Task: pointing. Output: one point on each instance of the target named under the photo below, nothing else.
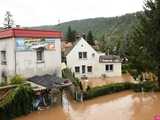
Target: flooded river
(119, 106)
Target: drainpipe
(15, 59)
(15, 71)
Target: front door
(83, 69)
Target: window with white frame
(89, 69)
(109, 67)
(77, 69)
(82, 55)
(3, 57)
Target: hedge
(17, 103)
(117, 87)
(146, 86)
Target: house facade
(29, 52)
(84, 61)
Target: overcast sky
(48, 12)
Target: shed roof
(29, 33)
(48, 81)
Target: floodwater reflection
(119, 106)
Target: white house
(29, 52)
(84, 61)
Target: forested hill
(113, 26)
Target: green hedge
(117, 87)
(146, 86)
(106, 89)
(18, 102)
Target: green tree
(8, 21)
(102, 44)
(71, 35)
(90, 38)
(144, 47)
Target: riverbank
(124, 105)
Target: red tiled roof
(29, 33)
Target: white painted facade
(98, 68)
(25, 62)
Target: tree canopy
(144, 43)
(90, 38)
(71, 35)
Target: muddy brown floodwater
(119, 106)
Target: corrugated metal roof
(30, 33)
(48, 81)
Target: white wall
(27, 62)
(9, 46)
(97, 68)
(116, 69)
(73, 57)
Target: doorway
(83, 69)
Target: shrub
(146, 86)
(106, 89)
(17, 80)
(125, 68)
(3, 84)
(117, 87)
(18, 102)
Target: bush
(117, 87)
(17, 80)
(146, 86)
(107, 89)
(18, 102)
(125, 68)
(3, 84)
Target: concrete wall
(97, 68)
(9, 46)
(26, 64)
(116, 69)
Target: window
(109, 67)
(83, 69)
(82, 55)
(40, 55)
(77, 69)
(89, 69)
(3, 58)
